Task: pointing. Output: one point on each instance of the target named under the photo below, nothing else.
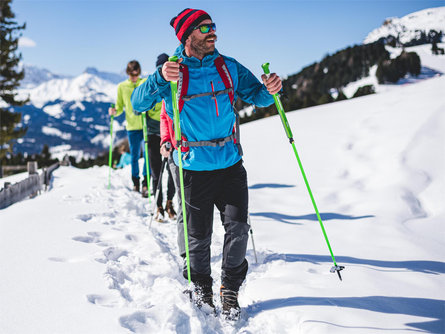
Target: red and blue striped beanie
(186, 21)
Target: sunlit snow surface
(80, 258)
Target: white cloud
(26, 42)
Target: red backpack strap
(183, 85)
(228, 82)
(225, 76)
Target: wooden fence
(29, 187)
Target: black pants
(227, 189)
(155, 159)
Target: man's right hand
(166, 149)
(112, 111)
(170, 70)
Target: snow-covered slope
(409, 27)
(432, 66)
(81, 258)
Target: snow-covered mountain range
(410, 29)
(70, 113)
(84, 87)
(92, 85)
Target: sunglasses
(134, 74)
(205, 28)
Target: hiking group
(212, 172)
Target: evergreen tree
(341, 96)
(434, 48)
(10, 77)
(364, 90)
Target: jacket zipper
(214, 98)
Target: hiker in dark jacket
(212, 159)
(155, 159)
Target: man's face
(134, 75)
(203, 43)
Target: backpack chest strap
(213, 143)
(213, 94)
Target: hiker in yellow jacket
(134, 122)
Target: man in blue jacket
(208, 85)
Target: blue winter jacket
(198, 119)
(124, 160)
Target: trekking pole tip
(337, 269)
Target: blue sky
(68, 36)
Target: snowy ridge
(376, 167)
(409, 27)
(108, 76)
(85, 87)
(35, 76)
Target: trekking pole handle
(280, 108)
(173, 58)
(265, 67)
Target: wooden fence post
(32, 170)
(32, 167)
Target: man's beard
(200, 47)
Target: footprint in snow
(131, 237)
(102, 300)
(87, 240)
(93, 237)
(85, 217)
(112, 254)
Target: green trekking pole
(288, 130)
(111, 148)
(147, 164)
(174, 89)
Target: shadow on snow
(270, 185)
(324, 216)
(426, 267)
(420, 307)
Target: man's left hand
(272, 83)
